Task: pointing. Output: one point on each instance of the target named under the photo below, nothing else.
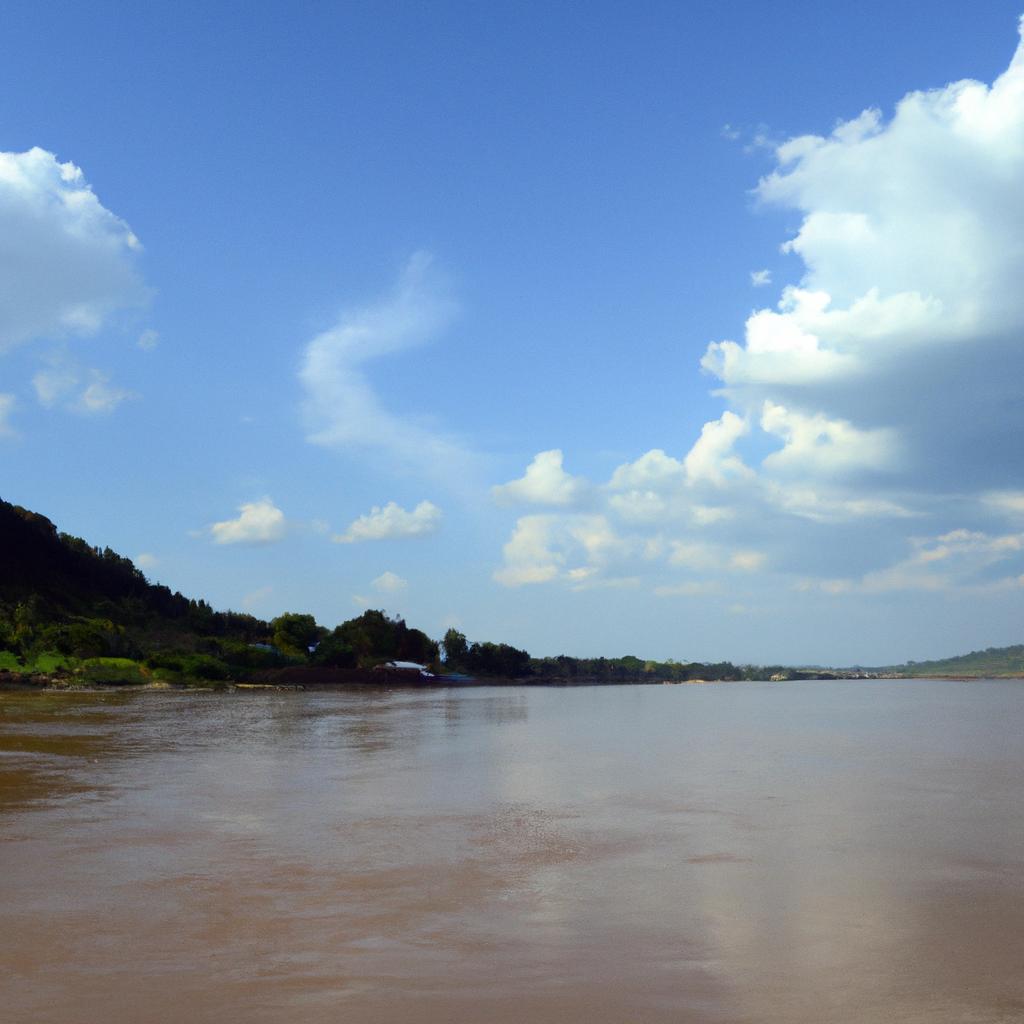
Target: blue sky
(531, 319)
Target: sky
(687, 331)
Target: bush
(165, 660)
(204, 666)
(113, 672)
(9, 662)
(50, 661)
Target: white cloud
(705, 515)
(1008, 503)
(60, 382)
(545, 482)
(822, 504)
(343, 408)
(759, 278)
(148, 340)
(910, 300)
(389, 583)
(67, 263)
(747, 561)
(712, 457)
(881, 391)
(7, 404)
(146, 560)
(820, 447)
(960, 559)
(391, 521)
(258, 522)
(640, 506)
(654, 470)
(691, 555)
(100, 396)
(55, 382)
(569, 547)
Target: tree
(502, 660)
(455, 648)
(294, 634)
(335, 651)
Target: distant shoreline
(345, 679)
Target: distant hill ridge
(65, 577)
(993, 661)
(66, 605)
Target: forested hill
(49, 577)
(87, 614)
(994, 661)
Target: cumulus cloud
(146, 560)
(148, 340)
(545, 482)
(961, 559)
(544, 548)
(391, 521)
(759, 278)
(712, 456)
(389, 583)
(654, 470)
(67, 263)
(881, 392)
(820, 447)
(910, 300)
(343, 408)
(258, 522)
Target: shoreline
(13, 682)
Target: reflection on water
(769, 853)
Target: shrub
(113, 672)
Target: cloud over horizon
(391, 521)
(877, 402)
(258, 522)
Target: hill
(993, 661)
(76, 613)
(65, 604)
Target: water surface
(759, 853)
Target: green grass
(10, 661)
(113, 672)
(49, 661)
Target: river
(751, 853)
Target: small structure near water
(409, 670)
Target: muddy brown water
(759, 853)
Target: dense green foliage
(630, 669)
(66, 605)
(376, 638)
(993, 661)
(70, 609)
(484, 659)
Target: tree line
(65, 603)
